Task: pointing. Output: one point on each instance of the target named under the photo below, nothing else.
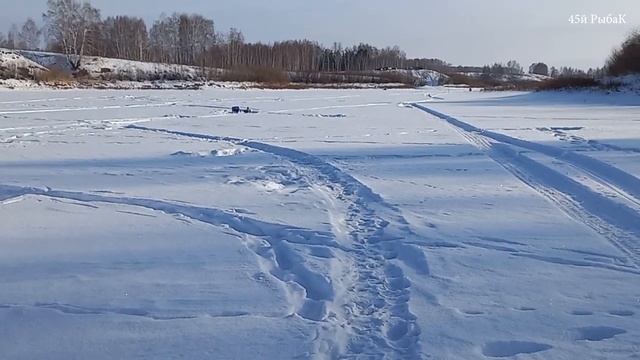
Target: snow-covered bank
(14, 65)
(100, 72)
(14, 84)
(630, 83)
(97, 67)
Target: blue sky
(459, 31)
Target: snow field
(330, 224)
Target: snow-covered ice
(329, 224)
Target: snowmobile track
(616, 222)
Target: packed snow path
(330, 224)
(374, 312)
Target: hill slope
(116, 69)
(15, 66)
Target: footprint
(313, 310)
(581, 312)
(500, 349)
(321, 252)
(596, 333)
(526, 308)
(397, 329)
(472, 312)
(260, 277)
(622, 312)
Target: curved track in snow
(287, 266)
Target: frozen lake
(400, 224)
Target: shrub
(53, 76)
(352, 77)
(400, 78)
(525, 85)
(82, 74)
(569, 82)
(262, 75)
(626, 60)
(480, 82)
(270, 76)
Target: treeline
(512, 67)
(626, 59)
(77, 30)
(27, 37)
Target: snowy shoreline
(13, 84)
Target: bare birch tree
(71, 25)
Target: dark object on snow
(247, 110)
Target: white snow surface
(402, 224)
